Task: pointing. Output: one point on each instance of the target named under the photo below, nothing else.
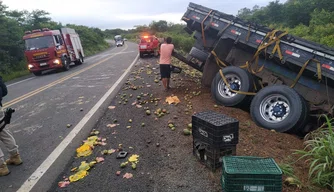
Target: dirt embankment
(166, 161)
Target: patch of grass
(14, 75)
(291, 179)
(319, 153)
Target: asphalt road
(46, 104)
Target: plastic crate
(250, 174)
(211, 157)
(215, 129)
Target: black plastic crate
(250, 174)
(211, 157)
(215, 129)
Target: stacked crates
(250, 174)
(214, 136)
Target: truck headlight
(30, 66)
(56, 61)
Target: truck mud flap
(198, 54)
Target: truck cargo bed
(296, 51)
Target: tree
(159, 26)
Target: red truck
(52, 49)
(148, 45)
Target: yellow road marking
(32, 93)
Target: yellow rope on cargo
(248, 33)
(304, 67)
(218, 61)
(263, 46)
(273, 39)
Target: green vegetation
(309, 19)
(292, 179)
(319, 153)
(13, 24)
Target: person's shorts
(165, 70)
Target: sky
(125, 14)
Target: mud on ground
(166, 162)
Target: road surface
(46, 104)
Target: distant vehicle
(146, 45)
(125, 39)
(119, 41)
(52, 49)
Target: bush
(319, 152)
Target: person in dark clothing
(6, 137)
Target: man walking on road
(166, 51)
(8, 140)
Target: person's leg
(168, 77)
(164, 83)
(8, 140)
(3, 167)
(163, 75)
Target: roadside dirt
(166, 161)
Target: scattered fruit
(186, 132)
(68, 125)
(190, 125)
(148, 112)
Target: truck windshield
(146, 40)
(39, 43)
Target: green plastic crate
(250, 174)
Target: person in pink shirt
(166, 51)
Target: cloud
(125, 14)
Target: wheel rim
(275, 108)
(234, 82)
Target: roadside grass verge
(14, 74)
(319, 154)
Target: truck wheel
(80, 60)
(277, 107)
(141, 55)
(300, 128)
(239, 80)
(198, 54)
(66, 64)
(37, 73)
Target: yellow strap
(228, 86)
(221, 31)
(265, 46)
(202, 26)
(248, 33)
(304, 67)
(218, 61)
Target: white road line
(21, 81)
(42, 169)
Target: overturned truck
(281, 78)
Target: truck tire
(239, 80)
(141, 55)
(277, 107)
(198, 54)
(80, 60)
(66, 64)
(300, 128)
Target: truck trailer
(282, 79)
(52, 49)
